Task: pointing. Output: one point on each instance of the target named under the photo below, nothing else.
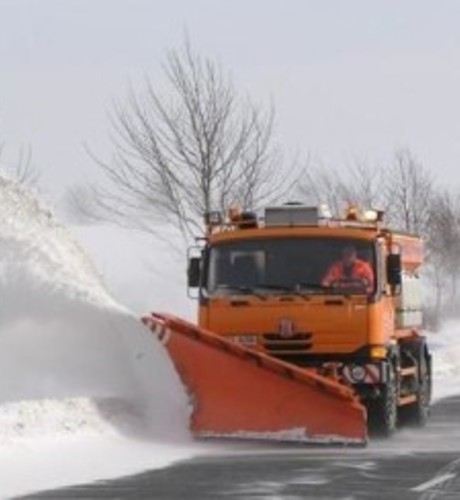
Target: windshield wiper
(288, 290)
(247, 290)
(315, 286)
(325, 288)
(273, 286)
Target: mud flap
(237, 392)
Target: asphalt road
(414, 464)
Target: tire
(383, 410)
(417, 414)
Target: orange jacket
(361, 270)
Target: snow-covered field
(85, 391)
(445, 346)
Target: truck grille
(275, 344)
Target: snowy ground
(85, 391)
(445, 346)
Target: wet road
(414, 464)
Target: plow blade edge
(237, 392)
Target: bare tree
(403, 189)
(199, 148)
(443, 245)
(356, 183)
(22, 170)
(364, 185)
(323, 186)
(408, 189)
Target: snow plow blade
(239, 393)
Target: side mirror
(394, 269)
(194, 272)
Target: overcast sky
(349, 79)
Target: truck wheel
(383, 411)
(418, 413)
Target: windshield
(300, 265)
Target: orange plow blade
(237, 392)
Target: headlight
(378, 352)
(358, 373)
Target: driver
(350, 270)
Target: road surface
(414, 464)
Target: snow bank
(445, 346)
(77, 370)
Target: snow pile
(445, 347)
(75, 366)
(47, 417)
(66, 417)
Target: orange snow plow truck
(309, 327)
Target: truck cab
(269, 284)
